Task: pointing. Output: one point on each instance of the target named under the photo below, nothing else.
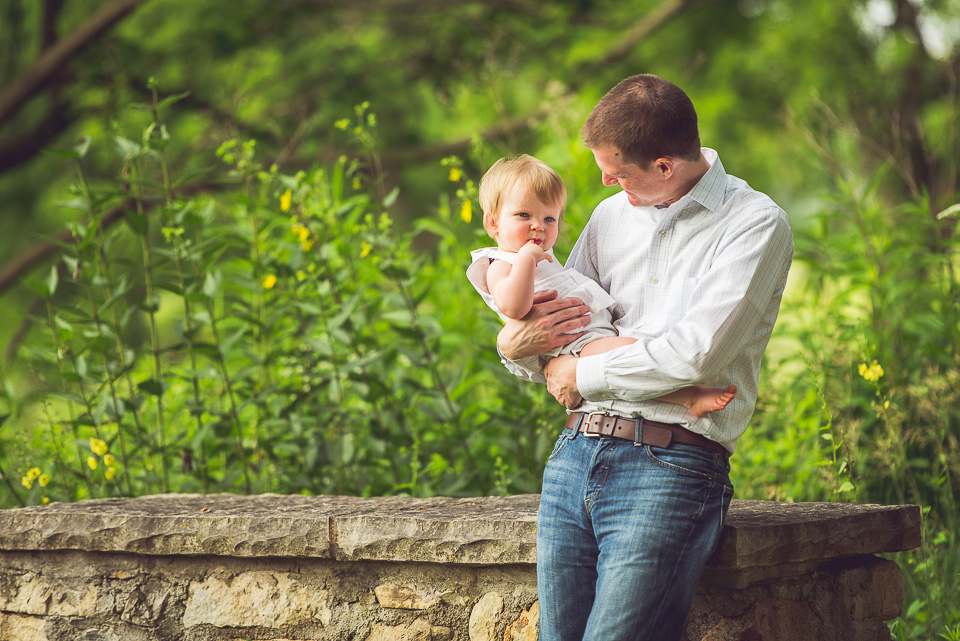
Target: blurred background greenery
(233, 236)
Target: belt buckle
(586, 430)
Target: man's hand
(546, 326)
(561, 373)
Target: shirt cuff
(591, 382)
(529, 364)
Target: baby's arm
(512, 285)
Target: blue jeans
(623, 534)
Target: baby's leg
(700, 399)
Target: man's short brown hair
(644, 117)
(525, 172)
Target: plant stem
(152, 306)
(108, 292)
(188, 316)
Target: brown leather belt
(596, 424)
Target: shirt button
(662, 233)
(654, 280)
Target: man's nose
(608, 180)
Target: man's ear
(664, 167)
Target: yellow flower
(110, 473)
(303, 234)
(92, 462)
(44, 479)
(109, 459)
(45, 500)
(26, 482)
(285, 201)
(365, 249)
(98, 447)
(466, 211)
(455, 174)
(33, 472)
(871, 372)
(269, 281)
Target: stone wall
(225, 567)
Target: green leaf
(191, 174)
(70, 396)
(152, 387)
(952, 211)
(78, 151)
(127, 149)
(170, 100)
(136, 221)
(53, 279)
(211, 284)
(391, 197)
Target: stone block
(222, 524)
(763, 540)
(32, 593)
(526, 627)
(490, 531)
(17, 628)
(402, 597)
(485, 617)
(252, 599)
(418, 630)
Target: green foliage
(284, 337)
(862, 381)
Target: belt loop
(576, 428)
(638, 433)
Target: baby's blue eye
(523, 214)
(550, 219)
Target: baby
(523, 201)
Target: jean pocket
(725, 503)
(558, 446)
(684, 463)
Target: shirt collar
(709, 190)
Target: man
(635, 492)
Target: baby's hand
(535, 251)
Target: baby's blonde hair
(526, 172)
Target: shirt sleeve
(729, 302)
(528, 368)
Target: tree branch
(36, 255)
(24, 86)
(640, 30)
(26, 146)
(650, 23)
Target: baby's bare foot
(710, 399)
